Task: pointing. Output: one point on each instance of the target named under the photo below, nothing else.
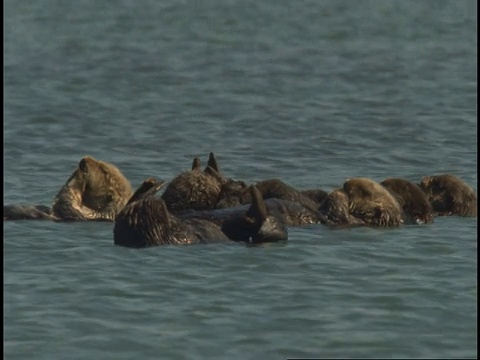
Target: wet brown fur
(414, 202)
(335, 208)
(194, 189)
(315, 195)
(146, 221)
(237, 193)
(96, 190)
(361, 201)
(449, 195)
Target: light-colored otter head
(96, 190)
(372, 203)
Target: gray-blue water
(311, 92)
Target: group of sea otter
(204, 206)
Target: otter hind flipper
(267, 228)
(258, 209)
(148, 187)
(212, 162)
(196, 165)
(27, 212)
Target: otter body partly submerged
(414, 202)
(449, 195)
(361, 201)
(96, 190)
(145, 221)
(291, 213)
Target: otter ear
(212, 162)
(196, 164)
(258, 209)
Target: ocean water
(310, 92)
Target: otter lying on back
(196, 189)
(449, 195)
(209, 189)
(415, 204)
(234, 195)
(146, 221)
(289, 212)
(361, 201)
(96, 190)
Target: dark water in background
(311, 92)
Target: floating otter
(96, 190)
(449, 195)
(196, 189)
(289, 212)
(414, 202)
(361, 201)
(208, 189)
(234, 194)
(146, 221)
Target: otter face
(96, 190)
(105, 185)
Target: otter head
(97, 190)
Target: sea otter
(96, 190)
(414, 202)
(145, 221)
(449, 195)
(361, 201)
(289, 212)
(234, 194)
(196, 189)
(208, 189)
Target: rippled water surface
(311, 92)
